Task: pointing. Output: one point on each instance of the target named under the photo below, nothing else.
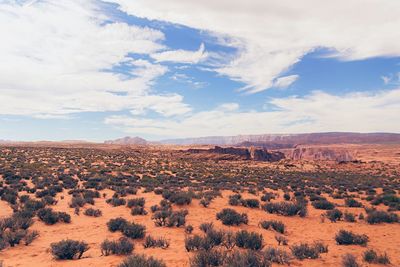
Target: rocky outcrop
(265, 155)
(320, 153)
(257, 154)
(127, 141)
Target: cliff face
(127, 141)
(320, 153)
(252, 153)
(277, 141)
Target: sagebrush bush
(181, 198)
(207, 258)
(352, 203)
(205, 227)
(68, 249)
(320, 247)
(138, 210)
(121, 247)
(116, 224)
(232, 217)
(115, 201)
(169, 218)
(137, 260)
(134, 230)
(249, 240)
(93, 212)
(136, 202)
(234, 200)
(323, 204)
(334, 215)
(49, 217)
(349, 217)
(250, 203)
(160, 242)
(281, 240)
(64, 217)
(306, 251)
(268, 197)
(276, 255)
(344, 237)
(275, 225)
(216, 237)
(375, 217)
(13, 238)
(349, 260)
(371, 256)
(30, 236)
(77, 202)
(246, 258)
(205, 202)
(286, 208)
(193, 243)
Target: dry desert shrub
(140, 260)
(68, 249)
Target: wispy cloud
(58, 58)
(316, 112)
(181, 56)
(271, 36)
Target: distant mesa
(257, 154)
(279, 141)
(128, 141)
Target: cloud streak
(271, 36)
(316, 112)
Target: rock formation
(257, 154)
(320, 153)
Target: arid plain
(204, 209)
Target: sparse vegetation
(275, 225)
(249, 240)
(81, 179)
(121, 247)
(349, 260)
(232, 217)
(138, 260)
(68, 249)
(349, 238)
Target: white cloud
(317, 112)
(57, 58)
(271, 36)
(285, 81)
(166, 105)
(391, 79)
(386, 79)
(182, 56)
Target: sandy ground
(383, 238)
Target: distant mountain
(290, 140)
(4, 141)
(127, 141)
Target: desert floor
(383, 237)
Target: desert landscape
(187, 133)
(176, 205)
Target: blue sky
(96, 70)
